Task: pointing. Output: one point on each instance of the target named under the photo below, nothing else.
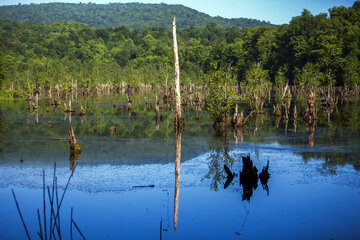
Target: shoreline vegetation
(312, 50)
(314, 57)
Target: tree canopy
(321, 50)
(130, 15)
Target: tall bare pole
(176, 79)
(178, 125)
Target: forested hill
(131, 15)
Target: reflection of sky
(106, 205)
(103, 177)
(305, 199)
(277, 12)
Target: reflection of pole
(177, 177)
(311, 136)
(157, 110)
(36, 116)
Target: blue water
(314, 190)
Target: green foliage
(10, 94)
(256, 76)
(221, 96)
(256, 79)
(131, 15)
(351, 68)
(310, 74)
(280, 78)
(319, 50)
(2, 70)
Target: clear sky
(275, 11)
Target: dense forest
(318, 50)
(130, 15)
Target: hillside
(131, 15)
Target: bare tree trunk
(36, 105)
(178, 124)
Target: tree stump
(74, 146)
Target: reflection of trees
(343, 131)
(219, 157)
(2, 131)
(73, 159)
(333, 159)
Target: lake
(131, 184)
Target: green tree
(221, 96)
(310, 74)
(257, 79)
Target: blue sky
(275, 11)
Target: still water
(129, 184)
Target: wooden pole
(176, 80)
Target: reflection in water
(157, 124)
(36, 116)
(158, 116)
(277, 121)
(311, 131)
(248, 178)
(230, 176)
(73, 159)
(219, 157)
(177, 176)
(264, 177)
(286, 121)
(75, 150)
(238, 135)
(82, 119)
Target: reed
(50, 225)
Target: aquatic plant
(49, 225)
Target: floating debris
(145, 186)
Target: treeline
(130, 15)
(317, 50)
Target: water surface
(313, 191)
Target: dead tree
(158, 115)
(29, 100)
(310, 115)
(178, 120)
(129, 102)
(74, 146)
(36, 104)
(286, 100)
(82, 111)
